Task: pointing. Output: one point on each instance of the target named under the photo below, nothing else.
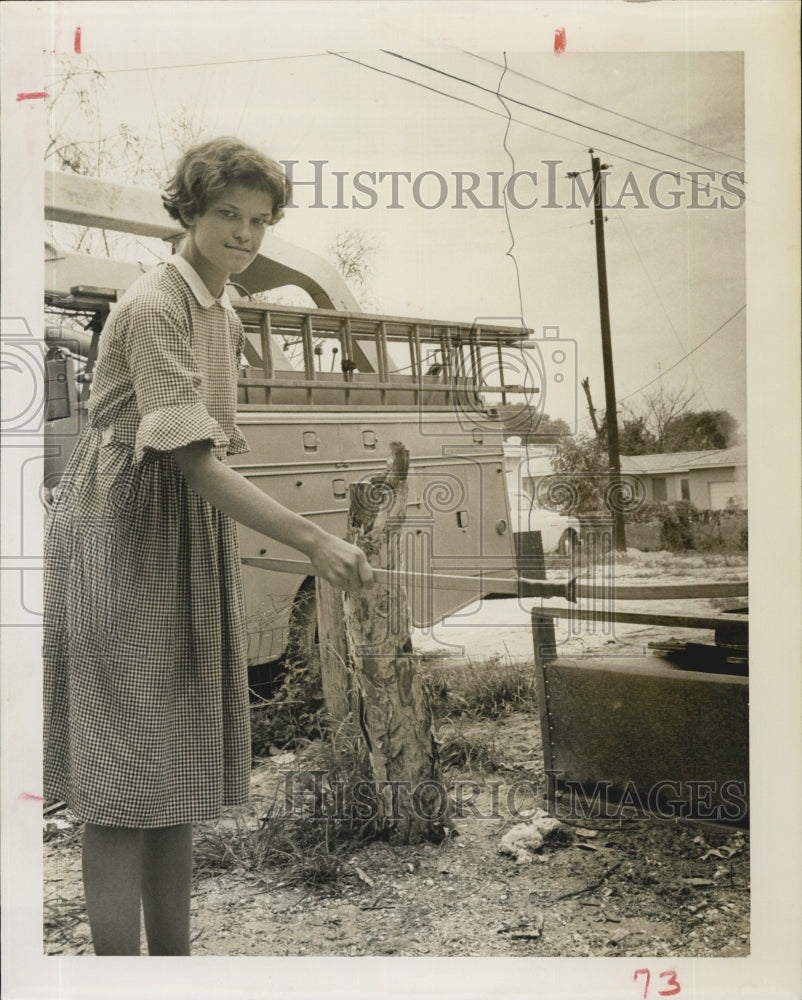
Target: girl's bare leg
(166, 887)
(111, 869)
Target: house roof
(721, 457)
(537, 462)
(684, 461)
(670, 461)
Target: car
(559, 533)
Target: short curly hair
(207, 169)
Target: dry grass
(464, 750)
(65, 927)
(295, 851)
(488, 689)
(468, 699)
(306, 834)
(677, 562)
(308, 840)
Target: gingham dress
(146, 698)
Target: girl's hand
(342, 564)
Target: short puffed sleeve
(166, 378)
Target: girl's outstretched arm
(342, 564)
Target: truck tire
(302, 639)
(265, 679)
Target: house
(718, 479)
(711, 480)
(665, 476)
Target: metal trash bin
(637, 733)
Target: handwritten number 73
(670, 977)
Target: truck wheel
(265, 679)
(302, 640)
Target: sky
(675, 274)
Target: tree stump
(368, 668)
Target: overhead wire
(517, 121)
(620, 218)
(509, 252)
(453, 97)
(684, 356)
(198, 65)
(605, 108)
(398, 76)
(551, 114)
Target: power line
(496, 114)
(551, 114)
(453, 97)
(198, 65)
(620, 218)
(398, 76)
(602, 107)
(417, 83)
(684, 356)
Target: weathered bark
(377, 678)
(334, 669)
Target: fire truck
(323, 393)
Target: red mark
(643, 972)
(77, 41)
(36, 95)
(671, 980)
(28, 797)
(559, 41)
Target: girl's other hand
(344, 565)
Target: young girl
(146, 697)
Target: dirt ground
(597, 887)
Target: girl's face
(226, 238)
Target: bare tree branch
(351, 252)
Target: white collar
(197, 286)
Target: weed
(488, 689)
(294, 715)
(65, 926)
(306, 836)
(300, 850)
(328, 812)
(461, 750)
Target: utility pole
(607, 350)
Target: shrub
(676, 525)
(680, 526)
(643, 535)
(306, 835)
(675, 522)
